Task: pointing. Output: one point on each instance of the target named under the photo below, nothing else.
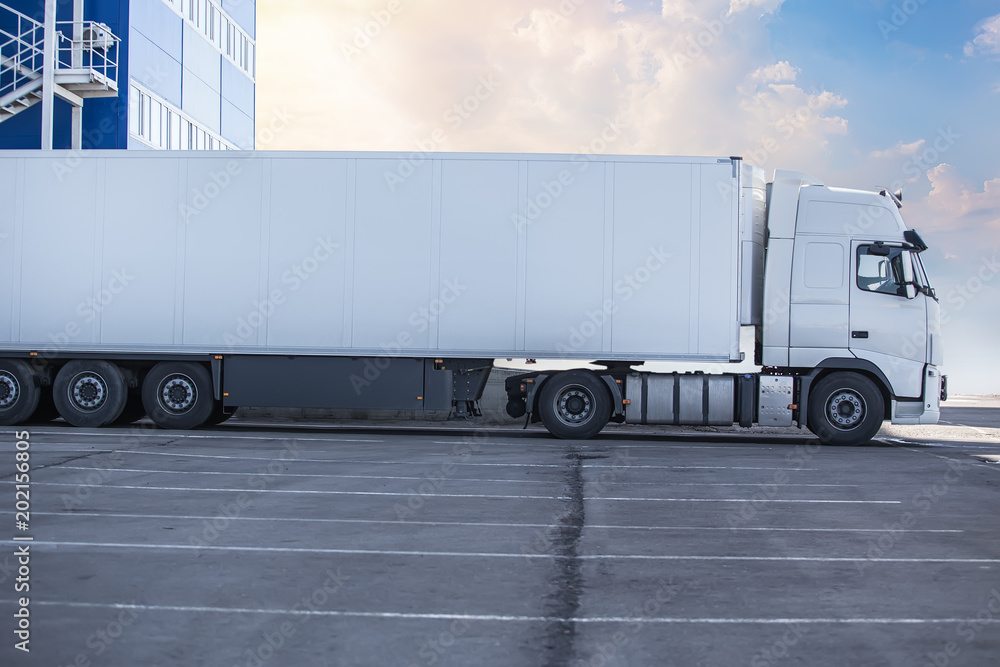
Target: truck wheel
(845, 409)
(218, 416)
(90, 393)
(178, 395)
(19, 392)
(574, 404)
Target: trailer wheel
(845, 409)
(19, 392)
(574, 404)
(90, 393)
(178, 395)
(218, 415)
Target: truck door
(935, 346)
(888, 316)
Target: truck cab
(846, 295)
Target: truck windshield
(919, 275)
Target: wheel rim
(178, 393)
(574, 405)
(846, 409)
(10, 390)
(88, 391)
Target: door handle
(859, 334)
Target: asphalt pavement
(251, 545)
(968, 415)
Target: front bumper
(927, 411)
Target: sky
(859, 93)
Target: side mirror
(911, 291)
(914, 239)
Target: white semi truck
(183, 285)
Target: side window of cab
(880, 269)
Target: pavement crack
(72, 459)
(98, 452)
(35, 468)
(563, 601)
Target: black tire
(134, 409)
(178, 395)
(574, 404)
(218, 416)
(845, 409)
(90, 393)
(19, 392)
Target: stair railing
(21, 54)
(96, 50)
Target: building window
(133, 111)
(158, 124)
(223, 32)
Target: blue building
(142, 74)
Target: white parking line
(424, 478)
(534, 444)
(296, 438)
(314, 475)
(40, 546)
(173, 439)
(517, 619)
(88, 448)
(474, 524)
(103, 433)
(511, 464)
(783, 559)
(301, 460)
(928, 445)
(652, 467)
(151, 432)
(406, 494)
(751, 500)
(767, 529)
(927, 452)
(492, 496)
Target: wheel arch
(840, 364)
(575, 403)
(538, 379)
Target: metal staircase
(84, 59)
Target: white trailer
(182, 285)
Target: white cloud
(678, 9)
(790, 127)
(899, 150)
(960, 220)
(763, 6)
(987, 39)
(698, 78)
(776, 73)
(963, 216)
